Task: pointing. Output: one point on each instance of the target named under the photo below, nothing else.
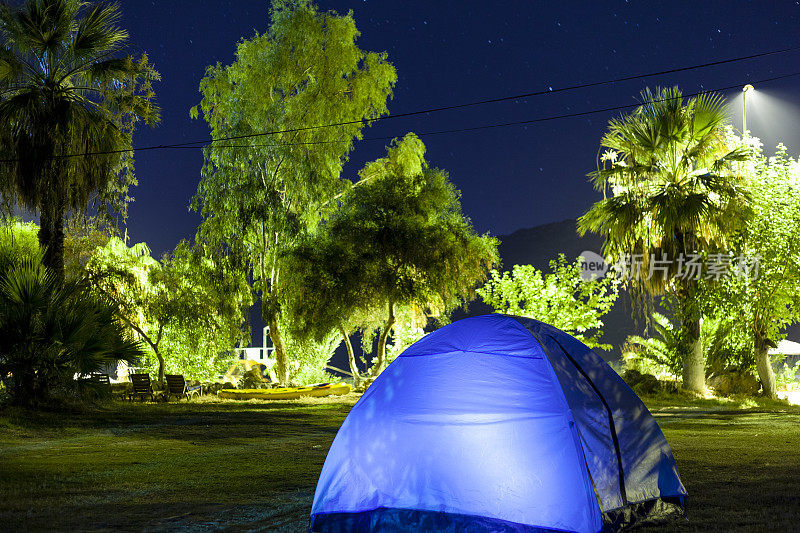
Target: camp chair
(176, 386)
(141, 386)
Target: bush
(732, 381)
(309, 357)
(560, 298)
(659, 355)
(52, 330)
(787, 377)
(642, 383)
(726, 348)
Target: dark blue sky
(455, 52)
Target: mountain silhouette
(538, 246)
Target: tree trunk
(281, 358)
(45, 229)
(764, 366)
(160, 366)
(51, 235)
(694, 371)
(24, 387)
(382, 342)
(161, 363)
(351, 357)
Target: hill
(538, 246)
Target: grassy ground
(242, 466)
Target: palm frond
(97, 31)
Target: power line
(486, 126)
(507, 98)
(206, 143)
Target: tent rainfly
(497, 423)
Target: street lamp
(745, 90)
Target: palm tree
(673, 193)
(67, 88)
(52, 329)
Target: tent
(497, 423)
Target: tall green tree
(560, 298)
(68, 87)
(285, 85)
(326, 292)
(763, 294)
(671, 189)
(399, 239)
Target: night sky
(456, 52)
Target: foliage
(726, 348)
(398, 241)
(409, 327)
(306, 71)
(309, 356)
(671, 188)
(83, 235)
(19, 239)
(560, 298)
(67, 87)
(787, 377)
(188, 308)
(767, 299)
(51, 330)
(660, 354)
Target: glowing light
(773, 115)
(746, 89)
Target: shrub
(52, 330)
(726, 348)
(786, 377)
(308, 358)
(659, 355)
(560, 298)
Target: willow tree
(258, 193)
(399, 240)
(671, 190)
(188, 308)
(68, 87)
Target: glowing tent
(497, 423)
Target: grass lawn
(239, 466)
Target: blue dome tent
(497, 423)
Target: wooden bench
(177, 386)
(100, 379)
(141, 386)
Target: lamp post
(745, 90)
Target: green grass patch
(241, 465)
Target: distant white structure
(261, 355)
(786, 347)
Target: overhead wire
(207, 142)
(503, 98)
(487, 126)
